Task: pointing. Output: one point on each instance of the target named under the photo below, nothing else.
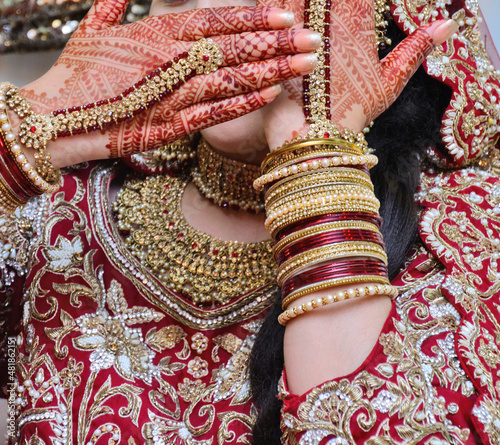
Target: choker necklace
(226, 182)
(208, 271)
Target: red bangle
(332, 271)
(13, 175)
(323, 239)
(330, 217)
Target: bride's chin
(242, 138)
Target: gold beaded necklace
(207, 270)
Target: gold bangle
(333, 283)
(308, 153)
(323, 228)
(317, 178)
(8, 199)
(335, 191)
(325, 163)
(326, 185)
(325, 204)
(371, 290)
(329, 252)
(309, 144)
(280, 223)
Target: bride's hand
(361, 85)
(104, 58)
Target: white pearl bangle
(316, 303)
(334, 161)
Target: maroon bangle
(334, 270)
(14, 176)
(328, 218)
(323, 239)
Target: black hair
(400, 137)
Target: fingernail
(281, 18)
(304, 63)
(307, 40)
(270, 92)
(443, 31)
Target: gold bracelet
(329, 252)
(291, 218)
(308, 153)
(325, 163)
(18, 156)
(337, 175)
(323, 228)
(371, 290)
(336, 191)
(273, 158)
(325, 203)
(8, 199)
(334, 282)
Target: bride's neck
(226, 224)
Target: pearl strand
(348, 294)
(334, 161)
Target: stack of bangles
(19, 180)
(323, 214)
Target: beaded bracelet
(289, 151)
(340, 175)
(323, 163)
(357, 292)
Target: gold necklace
(208, 271)
(226, 182)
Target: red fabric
(460, 227)
(64, 287)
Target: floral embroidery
(65, 254)
(113, 342)
(198, 367)
(190, 390)
(199, 342)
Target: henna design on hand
(361, 85)
(104, 58)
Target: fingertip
(279, 18)
(270, 93)
(441, 30)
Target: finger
(197, 117)
(103, 14)
(231, 81)
(197, 23)
(270, 3)
(250, 47)
(404, 60)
